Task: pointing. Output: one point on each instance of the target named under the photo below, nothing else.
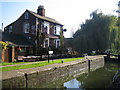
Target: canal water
(100, 78)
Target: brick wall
(5, 55)
(9, 54)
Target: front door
(10, 54)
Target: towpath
(21, 72)
(88, 57)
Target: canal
(100, 78)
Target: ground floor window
(46, 43)
(57, 43)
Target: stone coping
(21, 72)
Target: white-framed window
(46, 42)
(26, 15)
(10, 29)
(26, 27)
(57, 30)
(46, 27)
(57, 43)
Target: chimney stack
(41, 10)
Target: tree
(116, 44)
(97, 33)
(61, 42)
(40, 39)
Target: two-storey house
(34, 30)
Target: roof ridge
(44, 17)
(40, 15)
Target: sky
(71, 13)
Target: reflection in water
(72, 84)
(101, 78)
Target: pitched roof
(17, 40)
(44, 18)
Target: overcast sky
(71, 13)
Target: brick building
(33, 31)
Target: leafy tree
(98, 33)
(61, 42)
(40, 40)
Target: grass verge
(12, 63)
(39, 64)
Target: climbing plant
(3, 44)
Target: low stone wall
(41, 78)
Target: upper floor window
(57, 29)
(10, 29)
(45, 29)
(26, 27)
(26, 15)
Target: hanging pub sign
(50, 52)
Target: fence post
(88, 64)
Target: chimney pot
(41, 10)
